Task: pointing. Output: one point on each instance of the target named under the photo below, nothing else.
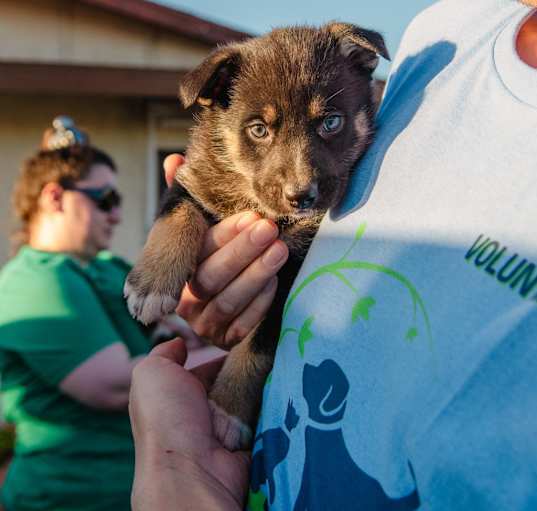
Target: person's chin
(105, 245)
(105, 241)
(101, 245)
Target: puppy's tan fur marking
(316, 107)
(270, 114)
(205, 101)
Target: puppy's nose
(301, 198)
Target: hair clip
(63, 134)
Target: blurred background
(114, 67)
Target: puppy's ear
(210, 82)
(359, 44)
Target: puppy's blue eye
(258, 130)
(332, 123)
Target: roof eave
(178, 22)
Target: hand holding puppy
(235, 281)
(178, 458)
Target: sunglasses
(105, 198)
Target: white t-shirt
(406, 374)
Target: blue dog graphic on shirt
(331, 479)
(264, 463)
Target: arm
(68, 340)
(102, 381)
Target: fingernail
(274, 255)
(263, 232)
(245, 220)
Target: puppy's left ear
(363, 46)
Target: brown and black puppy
(285, 117)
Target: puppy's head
(291, 112)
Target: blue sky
(390, 17)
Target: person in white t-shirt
(405, 374)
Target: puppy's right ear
(211, 81)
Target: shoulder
(40, 283)
(423, 28)
(33, 267)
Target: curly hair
(64, 166)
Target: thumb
(171, 164)
(174, 350)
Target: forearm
(103, 381)
(120, 381)
(116, 393)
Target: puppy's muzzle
(301, 198)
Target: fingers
(234, 287)
(223, 232)
(173, 350)
(252, 315)
(171, 164)
(229, 316)
(247, 297)
(182, 329)
(220, 268)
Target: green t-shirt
(54, 315)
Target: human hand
(179, 462)
(235, 282)
(171, 326)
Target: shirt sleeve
(480, 451)
(56, 322)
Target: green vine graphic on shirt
(256, 501)
(364, 305)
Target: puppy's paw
(232, 433)
(147, 307)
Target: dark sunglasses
(105, 198)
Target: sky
(390, 17)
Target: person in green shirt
(67, 342)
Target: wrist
(166, 479)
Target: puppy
(284, 119)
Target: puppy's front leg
(168, 259)
(235, 397)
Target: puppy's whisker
(335, 94)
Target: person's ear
(51, 198)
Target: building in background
(114, 67)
